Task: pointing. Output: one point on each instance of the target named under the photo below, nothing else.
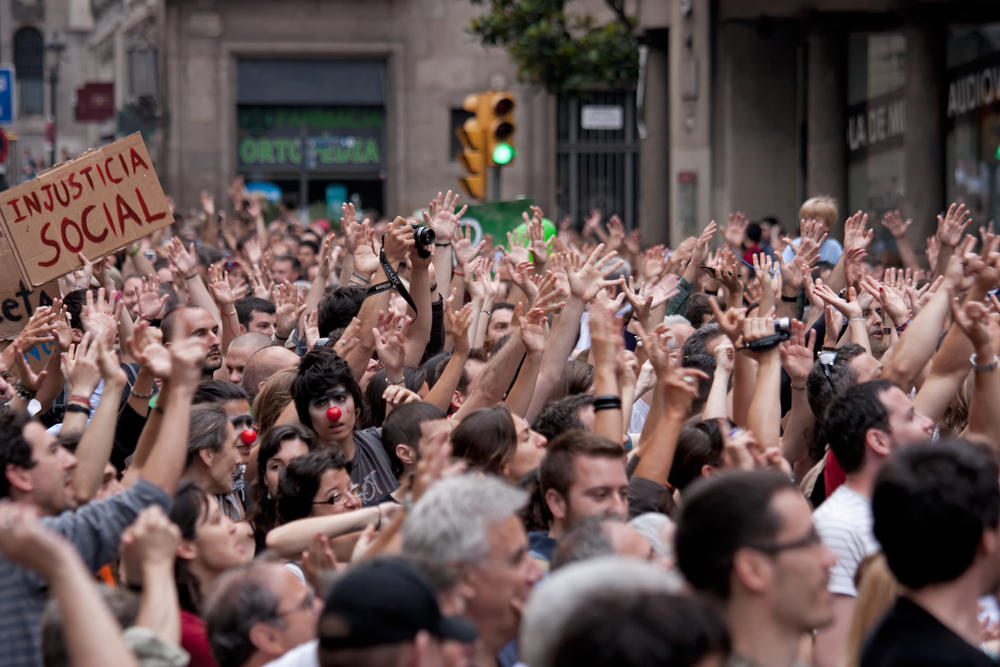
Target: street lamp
(53, 51)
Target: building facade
(755, 105)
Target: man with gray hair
(471, 524)
(595, 536)
(258, 612)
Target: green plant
(564, 53)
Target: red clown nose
(248, 436)
(333, 414)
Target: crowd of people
(271, 443)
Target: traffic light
(498, 111)
(473, 155)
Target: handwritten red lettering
(86, 172)
(31, 201)
(121, 158)
(66, 224)
(17, 209)
(101, 174)
(76, 186)
(145, 211)
(137, 159)
(52, 244)
(50, 204)
(107, 170)
(86, 230)
(111, 225)
(65, 191)
(125, 211)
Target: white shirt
(303, 655)
(845, 523)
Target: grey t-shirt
(371, 466)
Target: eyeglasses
(340, 498)
(306, 604)
(828, 359)
(812, 539)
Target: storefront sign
(96, 204)
(602, 117)
(878, 123)
(327, 139)
(95, 102)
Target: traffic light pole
(495, 185)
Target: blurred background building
(740, 104)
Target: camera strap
(393, 282)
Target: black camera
(424, 237)
(782, 332)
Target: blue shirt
(829, 252)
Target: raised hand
(220, 289)
(366, 260)
(735, 231)
(27, 378)
(587, 281)
(150, 301)
(185, 262)
(252, 249)
(207, 203)
(390, 342)
(287, 309)
(396, 395)
(41, 328)
(797, 355)
(329, 255)
(953, 224)
(893, 221)
(731, 322)
(187, 357)
(101, 317)
(850, 309)
(536, 234)
(725, 356)
(349, 340)
(442, 218)
(462, 246)
(79, 367)
(109, 365)
(654, 260)
(891, 299)
(933, 247)
(146, 345)
(974, 321)
(353, 232)
(855, 235)
(532, 328)
(616, 233)
(517, 247)
(458, 324)
(309, 326)
(769, 279)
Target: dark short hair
(319, 372)
(820, 389)
(300, 480)
(208, 430)
(562, 415)
(288, 258)
(14, 448)
(207, 255)
(240, 599)
(247, 306)
(309, 243)
(74, 302)
(697, 342)
(501, 305)
(931, 503)
(486, 439)
(464, 381)
(374, 415)
(698, 445)
(707, 364)
(403, 426)
(699, 306)
(339, 307)
(720, 516)
(557, 470)
(190, 506)
(849, 417)
(753, 232)
(264, 513)
(640, 629)
(218, 391)
(577, 378)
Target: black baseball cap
(385, 601)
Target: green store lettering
(287, 150)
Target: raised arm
(94, 450)
(797, 359)
(149, 548)
(222, 294)
(532, 330)
(420, 291)
(893, 221)
(397, 242)
(458, 323)
(605, 341)
(187, 264)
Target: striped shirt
(844, 522)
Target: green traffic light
(503, 153)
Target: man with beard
(879, 333)
(582, 474)
(747, 539)
(936, 507)
(186, 322)
(864, 426)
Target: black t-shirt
(910, 636)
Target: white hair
(676, 319)
(650, 525)
(450, 523)
(577, 585)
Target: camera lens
(783, 325)
(423, 235)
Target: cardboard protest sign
(97, 203)
(18, 300)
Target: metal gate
(597, 168)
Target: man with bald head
(263, 364)
(240, 351)
(185, 322)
